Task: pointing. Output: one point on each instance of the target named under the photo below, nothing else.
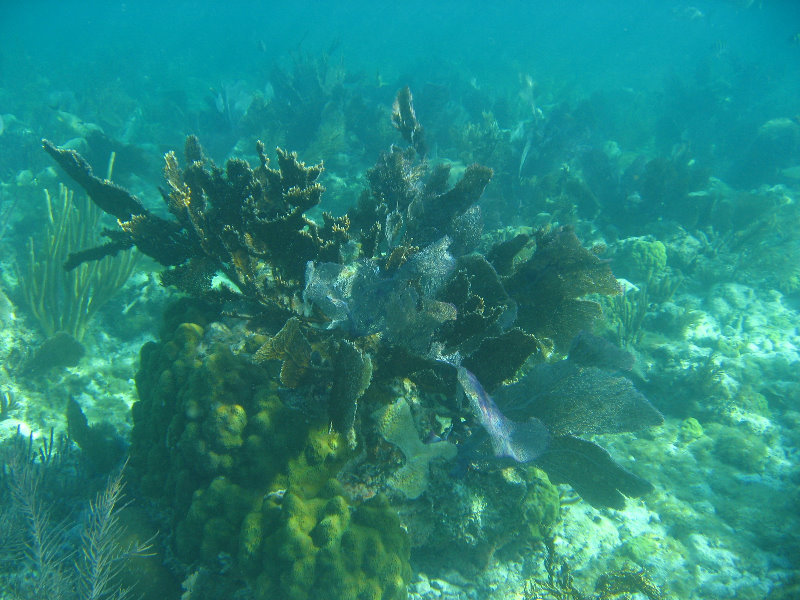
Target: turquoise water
(519, 320)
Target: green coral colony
(280, 418)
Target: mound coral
(249, 478)
(322, 547)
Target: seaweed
(66, 557)
(559, 584)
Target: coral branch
(110, 197)
(404, 118)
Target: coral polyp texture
(250, 478)
(272, 427)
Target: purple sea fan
(584, 394)
(522, 442)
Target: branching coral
(62, 296)
(247, 224)
(409, 204)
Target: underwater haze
(389, 301)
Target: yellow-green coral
(228, 423)
(649, 256)
(690, 430)
(396, 425)
(740, 448)
(541, 505)
(213, 521)
(643, 259)
(325, 548)
(251, 479)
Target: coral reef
(217, 410)
(452, 297)
(413, 285)
(321, 546)
(255, 430)
(247, 224)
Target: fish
(689, 13)
(719, 48)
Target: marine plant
(559, 584)
(627, 315)
(8, 403)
